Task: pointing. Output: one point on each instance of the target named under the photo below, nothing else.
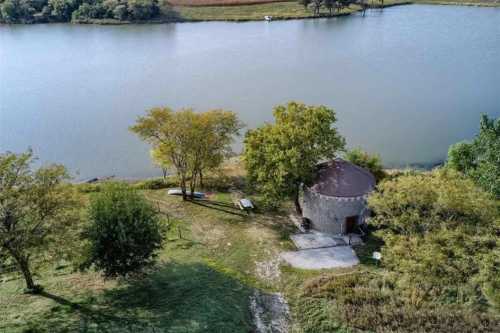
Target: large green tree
(36, 207)
(441, 233)
(280, 157)
(480, 158)
(125, 231)
(189, 142)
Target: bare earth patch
(270, 312)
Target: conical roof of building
(339, 178)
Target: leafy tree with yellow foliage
(191, 143)
(36, 208)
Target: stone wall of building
(328, 214)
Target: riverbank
(293, 10)
(238, 11)
(279, 11)
(286, 10)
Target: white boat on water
(268, 18)
(178, 191)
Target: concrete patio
(323, 258)
(317, 250)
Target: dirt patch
(270, 312)
(269, 271)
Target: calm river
(406, 82)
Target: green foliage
(330, 5)
(191, 143)
(33, 11)
(125, 231)
(371, 302)
(439, 230)
(36, 208)
(480, 159)
(280, 157)
(372, 163)
(156, 183)
(305, 3)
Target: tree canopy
(36, 11)
(480, 158)
(189, 142)
(441, 235)
(36, 207)
(372, 163)
(124, 232)
(280, 157)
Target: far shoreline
(279, 11)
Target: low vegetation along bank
(164, 11)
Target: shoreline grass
(285, 10)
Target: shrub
(156, 183)
(372, 163)
(437, 230)
(89, 187)
(479, 159)
(368, 302)
(125, 231)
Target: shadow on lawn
(219, 206)
(174, 298)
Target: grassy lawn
(215, 258)
(202, 282)
(278, 10)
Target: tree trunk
(201, 179)
(183, 187)
(192, 185)
(24, 267)
(296, 201)
(164, 171)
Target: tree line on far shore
(88, 11)
(337, 5)
(44, 11)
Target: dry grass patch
(220, 2)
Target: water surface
(406, 82)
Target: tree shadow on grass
(219, 206)
(175, 298)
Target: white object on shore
(176, 191)
(377, 255)
(245, 204)
(268, 18)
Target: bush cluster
(372, 302)
(41, 11)
(125, 231)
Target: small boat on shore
(177, 191)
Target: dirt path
(270, 312)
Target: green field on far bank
(293, 10)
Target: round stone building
(335, 202)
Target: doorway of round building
(351, 223)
